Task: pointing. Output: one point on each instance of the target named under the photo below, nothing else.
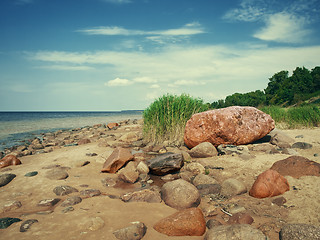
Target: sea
(17, 127)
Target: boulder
(117, 159)
(232, 187)
(188, 222)
(233, 125)
(165, 163)
(203, 150)
(9, 160)
(234, 232)
(299, 231)
(6, 178)
(135, 231)
(129, 173)
(297, 166)
(180, 194)
(269, 184)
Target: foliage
(165, 118)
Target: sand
(302, 206)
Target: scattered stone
(186, 175)
(232, 187)
(302, 145)
(91, 154)
(7, 221)
(145, 195)
(297, 166)
(112, 126)
(233, 125)
(203, 179)
(169, 177)
(135, 231)
(70, 201)
(12, 205)
(6, 178)
(268, 184)
(48, 202)
(109, 182)
(31, 174)
(67, 209)
(195, 168)
(236, 232)
(180, 194)
(165, 163)
(279, 201)
(9, 160)
(56, 174)
(228, 149)
(117, 159)
(211, 223)
(143, 168)
(51, 166)
(129, 173)
(281, 140)
(299, 232)
(187, 222)
(240, 218)
(203, 150)
(236, 209)
(83, 141)
(64, 190)
(94, 223)
(90, 193)
(205, 189)
(25, 226)
(299, 136)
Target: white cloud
(155, 86)
(66, 67)
(145, 80)
(284, 27)
(118, 82)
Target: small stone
(7, 221)
(302, 145)
(70, 201)
(109, 182)
(129, 173)
(279, 201)
(203, 179)
(64, 190)
(49, 202)
(45, 212)
(212, 223)
(240, 218)
(91, 154)
(11, 206)
(232, 187)
(145, 195)
(31, 174)
(300, 232)
(94, 224)
(67, 209)
(57, 174)
(25, 226)
(6, 178)
(143, 167)
(205, 189)
(83, 141)
(135, 231)
(203, 150)
(90, 193)
(195, 168)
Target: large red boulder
(232, 125)
(118, 158)
(9, 160)
(188, 222)
(269, 184)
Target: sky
(110, 55)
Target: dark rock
(7, 221)
(240, 218)
(205, 189)
(70, 201)
(25, 226)
(31, 174)
(91, 154)
(135, 231)
(279, 201)
(90, 193)
(6, 178)
(299, 232)
(299, 136)
(165, 163)
(297, 166)
(302, 145)
(48, 202)
(64, 190)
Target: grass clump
(166, 117)
(294, 117)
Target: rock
(129, 173)
(203, 179)
(64, 190)
(297, 166)
(109, 182)
(299, 232)
(269, 184)
(279, 201)
(302, 145)
(67, 209)
(6, 178)
(135, 231)
(169, 177)
(48, 202)
(145, 195)
(232, 187)
(234, 232)
(195, 168)
(232, 149)
(233, 125)
(281, 140)
(187, 222)
(79, 163)
(7, 221)
(129, 137)
(70, 201)
(203, 150)
(240, 218)
(57, 174)
(165, 163)
(289, 151)
(90, 193)
(205, 189)
(186, 175)
(12, 205)
(143, 168)
(9, 160)
(117, 159)
(83, 141)
(31, 174)
(25, 226)
(112, 125)
(211, 223)
(180, 194)
(263, 147)
(93, 224)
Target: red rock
(84, 141)
(269, 184)
(232, 125)
(116, 160)
(297, 166)
(112, 125)
(9, 160)
(188, 222)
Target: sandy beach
(98, 217)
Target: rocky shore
(105, 182)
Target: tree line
(282, 90)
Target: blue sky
(105, 55)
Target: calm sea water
(15, 127)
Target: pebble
(31, 174)
(48, 202)
(67, 209)
(90, 193)
(70, 201)
(135, 231)
(57, 174)
(25, 226)
(64, 190)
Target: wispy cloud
(118, 82)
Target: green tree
(315, 74)
(274, 86)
